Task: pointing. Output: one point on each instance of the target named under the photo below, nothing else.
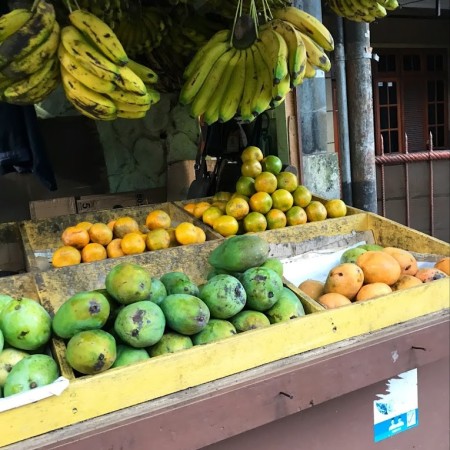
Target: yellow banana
(310, 71)
(78, 71)
(298, 79)
(123, 106)
(263, 94)
(120, 95)
(155, 96)
(280, 90)
(88, 102)
(28, 37)
(147, 75)
(93, 60)
(251, 80)
(21, 68)
(308, 25)
(275, 52)
(235, 87)
(100, 34)
(12, 21)
(316, 56)
(129, 81)
(131, 114)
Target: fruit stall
(264, 317)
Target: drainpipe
(341, 92)
(360, 115)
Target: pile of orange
(89, 242)
(266, 198)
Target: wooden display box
(12, 253)
(115, 389)
(42, 237)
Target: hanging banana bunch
(245, 71)
(29, 68)
(362, 10)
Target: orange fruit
(84, 225)
(226, 225)
(251, 168)
(75, 237)
(275, 219)
(272, 164)
(157, 219)
(186, 233)
(221, 205)
(244, 197)
(261, 202)
(93, 252)
(110, 224)
(66, 256)
(288, 181)
(157, 239)
(255, 222)
(133, 243)
(114, 249)
(201, 235)
(173, 238)
(316, 211)
(266, 182)
(245, 186)
(200, 208)
(296, 216)
(211, 214)
(221, 196)
(237, 208)
(125, 225)
(282, 200)
(252, 152)
(100, 233)
(336, 208)
(302, 196)
(189, 207)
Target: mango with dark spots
(128, 283)
(224, 295)
(140, 324)
(92, 351)
(249, 320)
(275, 264)
(263, 287)
(185, 313)
(215, 330)
(171, 342)
(114, 307)
(170, 279)
(286, 308)
(83, 311)
(26, 325)
(158, 292)
(29, 373)
(183, 287)
(127, 355)
(9, 357)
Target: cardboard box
(42, 209)
(12, 255)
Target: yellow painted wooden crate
(42, 237)
(85, 397)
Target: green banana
(251, 80)
(308, 25)
(275, 53)
(263, 95)
(28, 37)
(12, 21)
(316, 56)
(155, 96)
(100, 34)
(147, 75)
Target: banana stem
(238, 14)
(34, 5)
(76, 4)
(69, 6)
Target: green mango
(4, 300)
(91, 351)
(127, 355)
(170, 279)
(239, 253)
(214, 331)
(128, 283)
(158, 292)
(140, 324)
(2, 340)
(371, 247)
(263, 287)
(185, 313)
(224, 295)
(171, 342)
(26, 325)
(9, 357)
(29, 373)
(83, 311)
(275, 264)
(286, 308)
(114, 308)
(351, 255)
(184, 287)
(249, 320)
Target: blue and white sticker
(398, 409)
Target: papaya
(29, 373)
(171, 342)
(185, 313)
(215, 330)
(83, 311)
(26, 325)
(239, 253)
(345, 279)
(128, 283)
(158, 291)
(275, 264)
(170, 279)
(127, 355)
(140, 324)
(263, 287)
(224, 295)
(287, 307)
(91, 351)
(249, 320)
(9, 357)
